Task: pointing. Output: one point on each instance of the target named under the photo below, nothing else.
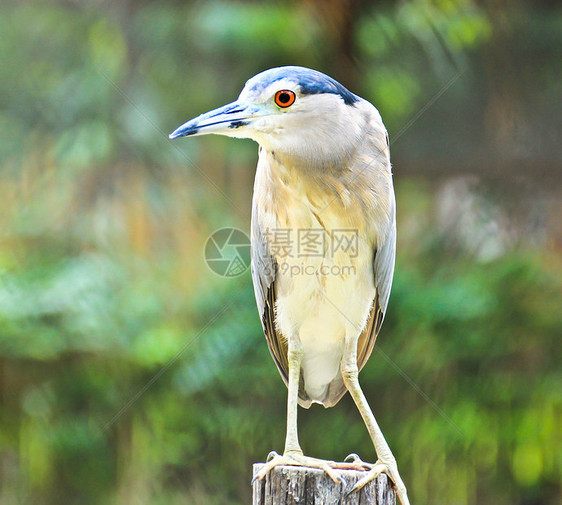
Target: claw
(271, 456)
(352, 458)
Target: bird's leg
(295, 356)
(386, 462)
(293, 453)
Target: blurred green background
(132, 374)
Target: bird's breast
(324, 275)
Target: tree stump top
(297, 485)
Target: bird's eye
(285, 98)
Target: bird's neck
(304, 164)
(281, 168)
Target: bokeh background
(131, 374)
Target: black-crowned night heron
(323, 240)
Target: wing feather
(264, 272)
(383, 271)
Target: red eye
(285, 98)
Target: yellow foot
(390, 468)
(298, 459)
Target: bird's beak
(225, 120)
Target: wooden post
(297, 485)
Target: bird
(323, 242)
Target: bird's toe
(298, 459)
(390, 469)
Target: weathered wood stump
(297, 485)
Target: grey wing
(383, 271)
(264, 271)
(384, 261)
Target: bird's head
(295, 111)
